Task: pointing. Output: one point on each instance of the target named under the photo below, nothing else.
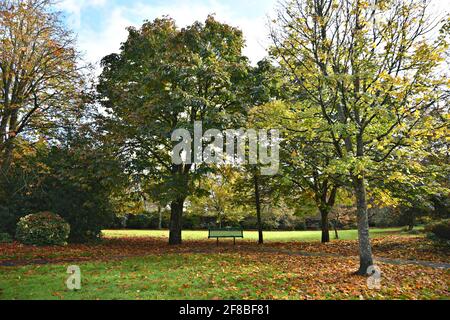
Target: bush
(8, 221)
(139, 221)
(5, 238)
(119, 222)
(289, 222)
(440, 229)
(42, 229)
(300, 225)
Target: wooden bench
(226, 233)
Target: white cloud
(111, 30)
(95, 44)
(74, 8)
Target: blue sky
(100, 24)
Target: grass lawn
(221, 276)
(253, 235)
(141, 265)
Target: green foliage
(8, 221)
(77, 180)
(440, 229)
(5, 238)
(163, 79)
(373, 94)
(139, 221)
(79, 187)
(387, 217)
(367, 118)
(42, 229)
(272, 221)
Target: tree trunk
(411, 220)
(10, 143)
(176, 221)
(365, 250)
(336, 234)
(7, 156)
(160, 218)
(220, 219)
(325, 226)
(258, 209)
(3, 137)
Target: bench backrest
(226, 233)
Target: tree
(40, 81)
(76, 178)
(156, 196)
(215, 196)
(264, 84)
(369, 70)
(305, 158)
(165, 79)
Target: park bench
(226, 233)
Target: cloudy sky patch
(101, 24)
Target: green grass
(210, 276)
(151, 277)
(253, 235)
(201, 276)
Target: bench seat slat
(226, 233)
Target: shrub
(119, 222)
(300, 225)
(139, 221)
(5, 238)
(8, 221)
(42, 229)
(440, 229)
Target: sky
(100, 25)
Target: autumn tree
(216, 196)
(370, 69)
(265, 83)
(165, 79)
(40, 80)
(305, 156)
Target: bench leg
(234, 241)
(217, 241)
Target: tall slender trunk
(335, 227)
(258, 209)
(411, 220)
(3, 124)
(365, 250)
(9, 143)
(7, 156)
(325, 226)
(160, 217)
(176, 221)
(219, 216)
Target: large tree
(40, 80)
(165, 79)
(304, 156)
(371, 70)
